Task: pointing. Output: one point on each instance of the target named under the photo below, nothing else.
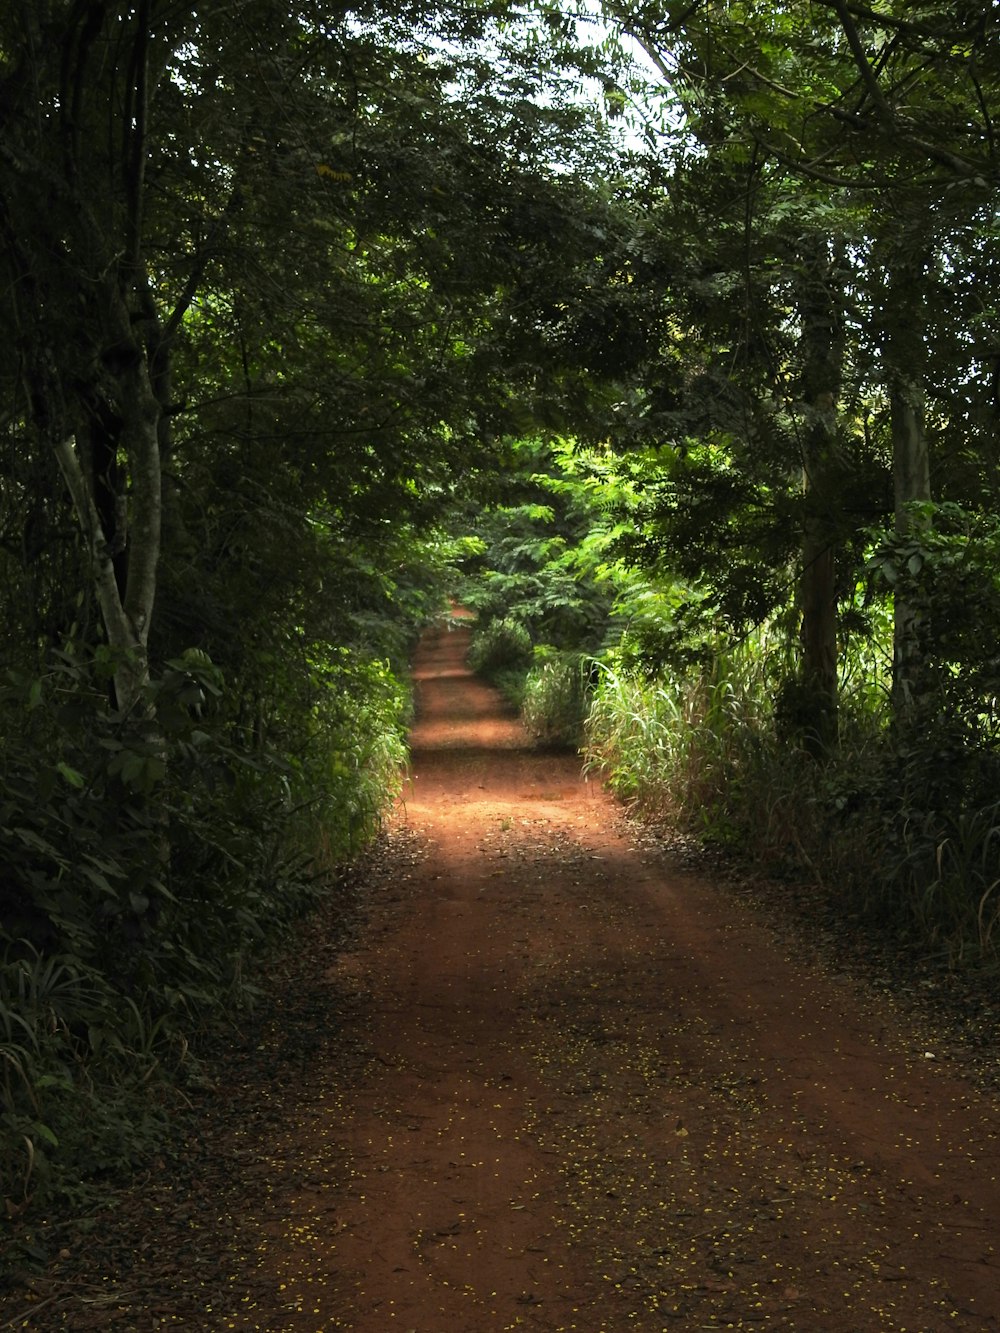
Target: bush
(556, 696)
(502, 645)
(143, 861)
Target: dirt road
(603, 1097)
(581, 1091)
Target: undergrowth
(550, 687)
(702, 750)
(555, 697)
(147, 866)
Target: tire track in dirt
(601, 1096)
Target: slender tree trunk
(823, 349)
(904, 359)
(126, 605)
(818, 592)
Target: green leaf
(97, 879)
(43, 1132)
(72, 776)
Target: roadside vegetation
(700, 721)
(789, 466)
(258, 343)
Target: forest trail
(573, 1088)
(602, 1097)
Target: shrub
(142, 863)
(501, 645)
(555, 697)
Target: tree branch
(868, 76)
(987, 119)
(895, 24)
(135, 133)
(899, 135)
(97, 544)
(813, 173)
(88, 16)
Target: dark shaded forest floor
(534, 1069)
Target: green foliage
(126, 922)
(904, 831)
(544, 561)
(556, 696)
(543, 582)
(80, 1063)
(500, 646)
(947, 567)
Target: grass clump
(704, 750)
(556, 697)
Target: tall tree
(880, 115)
(338, 200)
(819, 287)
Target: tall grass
(555, 697)
(691, 748)
(908, 847)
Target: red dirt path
(604, 1098)
(575, 1089)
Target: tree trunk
(93, 350)
(904, 358)
(823, 349)
(818, 633)
(133, 548)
